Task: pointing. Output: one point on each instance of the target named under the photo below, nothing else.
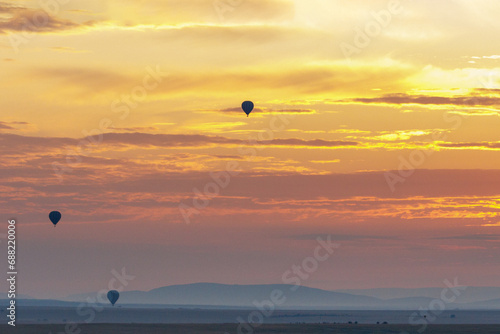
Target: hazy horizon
(347, 291)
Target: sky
(375, 122)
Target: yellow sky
(118, 92)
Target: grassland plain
(231, 328)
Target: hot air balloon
(247, 107)
(55, 217)
(113, 296)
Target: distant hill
(244, 296)
(469, 295)
(211, 294)
(489, 304)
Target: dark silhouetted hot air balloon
(55, 217)
(113, 296)
(247, 107)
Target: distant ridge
(469, 295)
(244, 296)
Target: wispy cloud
(26, 20)
(137, 139)
(485, 237)
(401, 98)
(267, 110)
(472, 146)
(344, 237)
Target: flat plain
(131, 315)
(231, 328)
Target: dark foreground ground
(231, 328)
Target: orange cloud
(34, 21)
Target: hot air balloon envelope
(55, 217)
(247, 107)
(113, 296)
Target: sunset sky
(376, 122)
